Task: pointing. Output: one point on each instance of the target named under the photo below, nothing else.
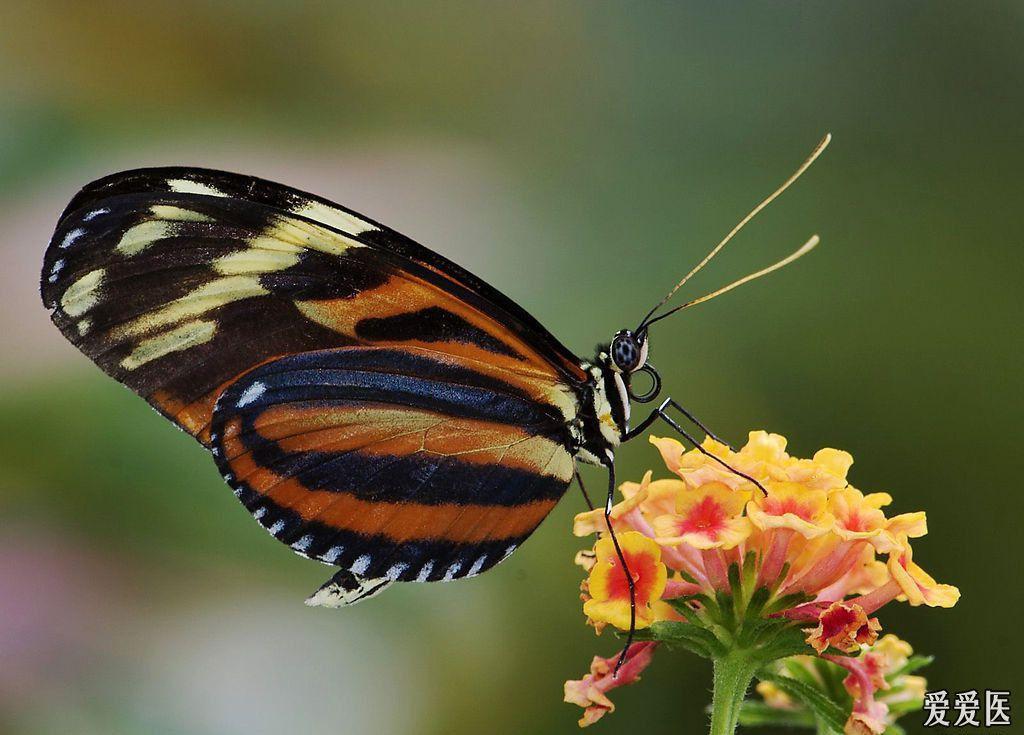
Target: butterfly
(372, 404)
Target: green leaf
(828, 712)
(681, 605)
(757, 602)
(754, 631)
(785, 643)
(724, 602)
(913, 664)
(705, 601)
(831, 677)
(750, 569)
(691, 637)
(785, 602)
(758, 714)
(898, 709)
(735, 585)
(687, 577)
(797, 670)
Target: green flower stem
(733, 673)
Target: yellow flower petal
(791, 505)
(912, 525)
(854, 517)
(920, 587)
(765, 447)
(834, 461)
(671, 451)
(707, 517)
(593, 521)
(661, 497)
(609, 590)
(878, 500)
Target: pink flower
(591, 692)
(845, 627)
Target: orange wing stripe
(400, 522)
(406, 293)
(386, 430)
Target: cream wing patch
(141, 236)
(83, 294)
(255, 260)
(181, 338)
(178, 214)
(306, 235)
(184, 322)
(333, 217)
(185, 186)
(210, 296)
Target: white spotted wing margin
(346, 588)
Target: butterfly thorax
(603, 416)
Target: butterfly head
(628, 351)
(627, 354)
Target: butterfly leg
(609, 502)
(659, 413)
(586, 495)
(696, 421)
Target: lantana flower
(608, 589)
(747, 578)
(591, 692)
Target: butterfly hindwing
(178, 281)
(402, 464)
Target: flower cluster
(707, 549)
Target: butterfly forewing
(177, 281)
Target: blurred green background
(579, 156)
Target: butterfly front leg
(660, 413)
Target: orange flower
(920, 587)
(791, 505)
(609, 589)
(857, 516)
(708, 517)
(871, 676)
(844, 627)
(696, 468)
(812, 534)
(591, 692)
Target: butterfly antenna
(647, 320)
(802, 251)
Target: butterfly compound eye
(625, 352)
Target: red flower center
(706, 516)
(778, 507)
(837, 620)
(643, 569)
(855, 522)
